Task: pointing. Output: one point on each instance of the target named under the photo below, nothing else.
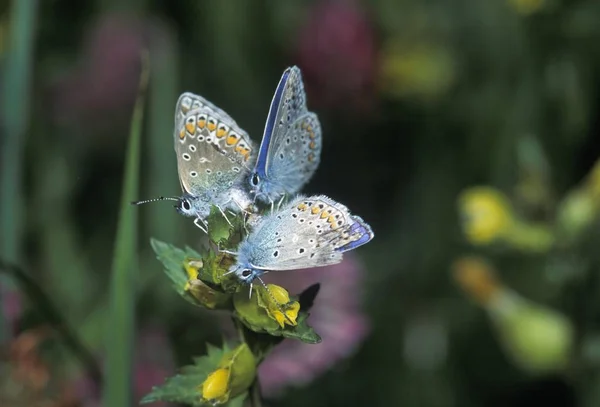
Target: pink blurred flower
(337, 55)
(154, 362)
(12, 307)
(99, 93)
(336, 316)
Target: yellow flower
(526, 7)
(198, 292)
(279, 306)
(235, 373)
(215, 388)
(268, 310)
(486, 213)
(192, 268)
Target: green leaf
(173, 260)
(119, 369)
(186, 386)
(197, 289)
(219, 230)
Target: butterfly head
(265, 190)
(188, 205)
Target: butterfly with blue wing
(214, 156)
(304, 233)
(290, 149)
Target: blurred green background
(419, 101)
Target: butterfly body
(306, 232)
(291, 146)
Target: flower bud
(236, 372)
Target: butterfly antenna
(275, 300)
(160, 198)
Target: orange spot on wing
(311, 157)
(312, 145)
(182, 134)
(211, 125)
(312, 135)
(315, 210)
(232, 139)
(302, 207)
(221, 132)
(190, 127)
(325, 213)
(201, 123)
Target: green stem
(255, 396)
(121, 317)
(15, 103)
(52, 316)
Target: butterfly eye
(246, 273)
(185, 205)
(255, 180)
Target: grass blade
(121, 319)
(15, 104)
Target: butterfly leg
(280, 202)
(227, 252)
(275, 300)
(203, 227)
(225, 216)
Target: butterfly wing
(283, 125)
(307, 232)
(213, 152)
(296, 158)
(189, 101)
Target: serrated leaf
(172, 259)
(186, 387)
(194, 291)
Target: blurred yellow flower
(536, 338)
(476, 278)
(279, 306)
(526, 7)
(424, 70)
(486, 213)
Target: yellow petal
(215, 388)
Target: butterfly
(290, 149)
(305, 232)
(214, 156)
